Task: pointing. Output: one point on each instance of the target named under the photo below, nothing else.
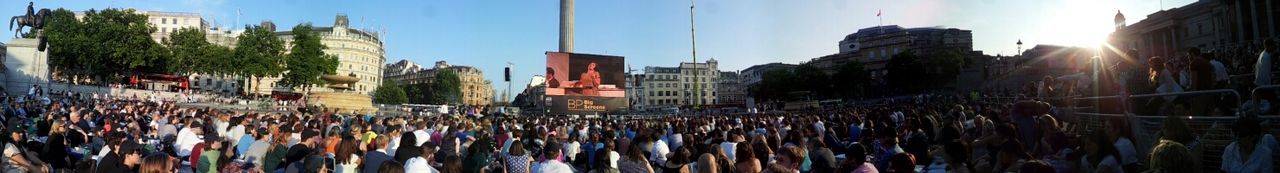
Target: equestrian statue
(36, 21)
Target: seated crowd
(927, 134)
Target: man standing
(1220, 74)
(1202, 78)
(374, 159)
(1262, 70)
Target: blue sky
(739, 33)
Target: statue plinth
(338, 98)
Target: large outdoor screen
(582, 84)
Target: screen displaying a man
(589, 81)
(551, 78)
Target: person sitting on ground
(1252, 151)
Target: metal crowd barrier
(1213, 131)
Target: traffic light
(506, 73)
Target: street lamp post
(1019, 53)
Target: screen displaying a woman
(589, 81)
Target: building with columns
(1220, 25)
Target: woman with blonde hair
(54, 154)
(1176, 130)
(1170, 156)
(157, 163)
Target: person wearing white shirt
(1164, 79)
(236, 132)
(187, 139)
(571, 149)
(1262, 69)
(422, 136)
(676, 140)
(730, 146)
(1252, 151)
(1128, 154)
(395, 140)
(659, 152)
(551, 165)
(1219, 71)
(422, 164)
(220, 126)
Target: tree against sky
(260, 54)
(851, 80)
(907, 72)
(775, 84)
(446, 88)
(416, 93)
(103, 44)
(190, 51)
(70, 50)
(306, 60)
(390, 93)
(810, 78)
(192, 54)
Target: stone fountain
(340, 96)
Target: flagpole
(879, 15)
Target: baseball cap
(15, 125)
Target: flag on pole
(878, 11)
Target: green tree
(70, 52)
(260, 54)
(944, 68)
(124, 39)
(417, 93)
(907, 72)
(851, 80)
(446, 88)
(390, 93)
(219, 61)
(810, 78)
(103, 44)
(306, 60)
(775, 85)
(190, 51)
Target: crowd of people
(936, 133)
(930, 133)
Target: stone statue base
(24, 66)
(343, 102)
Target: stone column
(566, 25)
